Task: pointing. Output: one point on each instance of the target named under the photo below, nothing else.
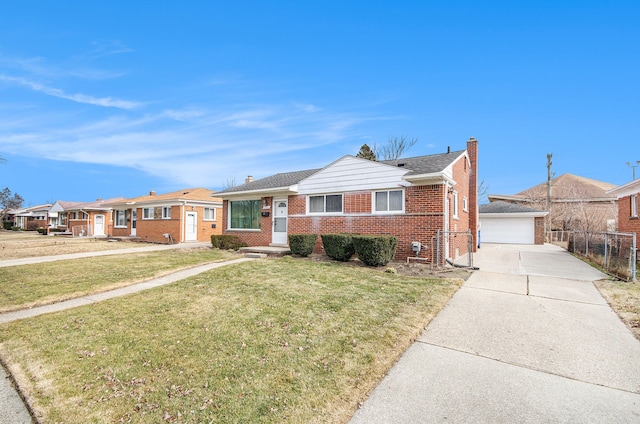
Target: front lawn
(26, 286)
(281, 340)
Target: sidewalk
(528, 338)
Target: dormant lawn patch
(278, 340)
(624, 298)
(33, 285)
(19, 244)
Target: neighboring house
(504, 222)
(627, 196)
(577, 203)
(409, 198)
(82, 219)
(181, 216)
(30, 218)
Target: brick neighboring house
(627, 196)
(30, 218)
(185, 215)
(409, 198)
(577, 203)
(82, 219)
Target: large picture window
(388, 201)
(325, 204)
(244, 214)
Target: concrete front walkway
(527, 339)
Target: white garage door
(507, 230)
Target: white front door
(98, 226)
(191, 227)
(134, 213)
(279, 222)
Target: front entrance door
(279, 222)
(98, 226)
(134, 213)
(191, 227)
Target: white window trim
(309, 196)
(455, 205)
(166, 208)
(215, 214)
(386, 212)
(152, 215)
(115, 219)
(465, 204)
(634, 206)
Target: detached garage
(508, 223)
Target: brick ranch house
(628, 204)
(82, 219)
(187, 215)
(409, 198)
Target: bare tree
(9, 201)
(229, 183)
(394, 148)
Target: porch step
(267, 250)
(255, 255)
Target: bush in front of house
(7, 225)
(226, 242)
(375, 250)
(302, 244)
(338, 247)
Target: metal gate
(452, 249)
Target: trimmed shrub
(338, 247)
(375, 250)
(7, 225)
(226, 242)
(302, 244)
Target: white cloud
(78, 98)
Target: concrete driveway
(528, 338)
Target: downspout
(183, 221)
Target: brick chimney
(472, 150)
(249, 179)
(152, 193)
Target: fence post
(634, 253)
(606, 250)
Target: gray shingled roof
(284, 179)
(416, 166)
(505, 207)
(425, 164)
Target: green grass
(259, 342)
(32, 285)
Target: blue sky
(115, 98)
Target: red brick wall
(539, 230)
(627, 224)
(423, 217)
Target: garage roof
(500, 208)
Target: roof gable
(351, 173)
(627, 189)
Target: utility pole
(547, 221)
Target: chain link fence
(452, 249)
(616, 252)
(82, 231)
